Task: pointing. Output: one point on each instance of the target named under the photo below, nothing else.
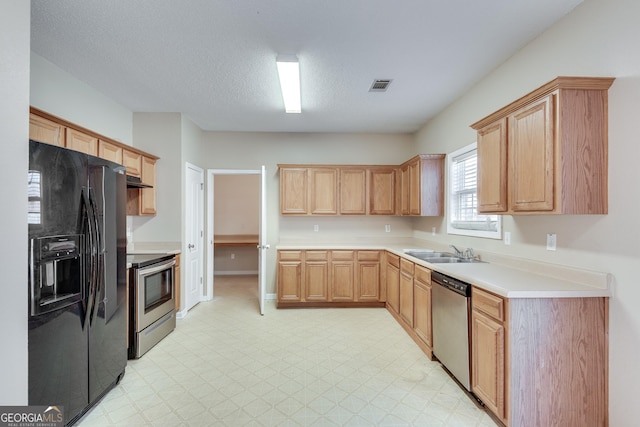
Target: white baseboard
(271, 297)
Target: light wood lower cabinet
(316, 283)
(329, 277)
(368, 276)
(422, 304)
(488, 348)
(393, 282)
(540, 361)
(406, 291)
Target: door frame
(210, 225)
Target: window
(463, 217)
(35, 197)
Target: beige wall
(14, 162)
(599, 38)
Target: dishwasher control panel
(450, 283)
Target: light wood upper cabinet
(133, 162)
(294, 187)
(148, 195)
(492, 167)
(546, 152)
(422, 185)
(353, 191)
(47, 131)
(78, 141)
(323, 191)
(109, 151)
(382, 191)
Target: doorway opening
(234, 218)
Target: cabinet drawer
(393, 259)
(342, 255)
(406, 266)
(423, 274)
(368, 255)
(316, 255)
(487, 303)
(290, 255)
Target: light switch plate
(507, 238)
(551, 241)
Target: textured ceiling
(214, 60)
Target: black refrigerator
(77, 283)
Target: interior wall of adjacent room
(599, 38)
(236, 211)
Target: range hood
(135, 182)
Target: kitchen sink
(439, 257)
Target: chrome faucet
(457, 251)
(467, 253)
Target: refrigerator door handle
(96, 264)
(88, 288)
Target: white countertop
(506, 276)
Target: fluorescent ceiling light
(289, 73)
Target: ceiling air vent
(380, 85)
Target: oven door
(154, 293)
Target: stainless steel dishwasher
(451, 302)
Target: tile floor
(225, 365)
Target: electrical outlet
(387, 228)
(233, 256)
(315, 227)
(433, 231)
(507, 238)
(551, 241)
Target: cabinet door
(531, 157)
(82, 142)
(323, 188)
(289, 276)
(368, 276)
(133, 162)
(342, 276)
(488, 362)
(316, 280)
(492, 167)
(382, 194)
(109, 151)
(148, 195)
(415, 195)
(293, 191)
(422, 304)
(393, 287)
(405, 193)
(353, 191)
(406, 298)
(43, 130)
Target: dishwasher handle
(451, 284)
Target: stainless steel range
(151, 301)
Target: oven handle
(145, 271)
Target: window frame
(451, 159)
